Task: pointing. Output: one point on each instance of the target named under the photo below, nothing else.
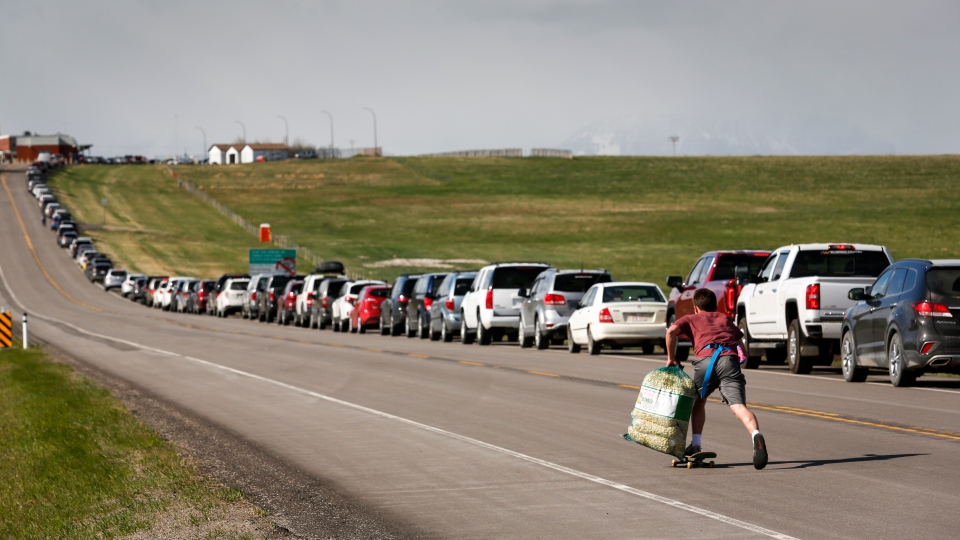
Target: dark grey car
(551, 300)
(420, 304)
(321, 313)
(393, 310)
(445, 311)
(907, 322)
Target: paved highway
(493, 442)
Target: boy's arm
(672, 333)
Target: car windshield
(515, 277)
(727, 265)
(208, 286)
(632, 293)
(578, 282)
(944, 281)
(839, 263)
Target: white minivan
(491, 307)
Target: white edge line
(524, 457)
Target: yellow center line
(469, 363)
(23, 229)
(415, 355)
(630, 386)
(543, 373)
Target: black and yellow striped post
(6, 330)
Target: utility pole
(674, 139)
(286, 136)
(244, 130)
(330, 116)
(376, 146)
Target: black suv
(907, 322)
(393, 310)
(272, 296)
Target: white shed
(269, 152)
(218, 154)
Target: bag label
(662, 402)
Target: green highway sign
(264, 261)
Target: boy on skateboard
(717, 367)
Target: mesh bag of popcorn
(660, 418)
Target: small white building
(266, 151)
(217, 154)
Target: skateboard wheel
(674, 464)
(689, 464)
(711, 464)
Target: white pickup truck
(794, 308)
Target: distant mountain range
(651, 136)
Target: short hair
(705, 299)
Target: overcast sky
(139, 76)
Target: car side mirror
(743, 278)
(856, 294)
(523, 293)
(674, 282)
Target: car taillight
(272, 297)
(351, 299)
(253, 296)
(842, 247)
(930, 309)
(449, 304)
(927, 346)
(813, 296)
(324, 303)
(427, 303)
(489, 302)
(605, 316)
(730, 295)
(402, 299)
(554, 300)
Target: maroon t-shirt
(710, 328)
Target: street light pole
(376, 152)
(330, 116)
(244, 129)
(205, 150)
(286, 136)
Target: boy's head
(705, 300)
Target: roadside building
(28, 147)
(263, 152)
(217, 154)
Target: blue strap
(713, 360)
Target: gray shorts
(726, 376)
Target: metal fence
(551, 152)
(505, 152)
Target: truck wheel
(753, 362)
(798, 364)
(899, 374)
(465, 337)
(540, 340)
(483, 335)
(848, 360)
(445, 335)
(384, 329)
(525, 342)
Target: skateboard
(696, 460)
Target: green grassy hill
(641, 218)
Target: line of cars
(531, 303)
(804, 304)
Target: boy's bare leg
(742, 412)
(699, 417)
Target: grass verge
(74, 463)
(641, 218)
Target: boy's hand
(672, 362)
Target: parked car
(80, 241)
(420, 303)
(345, 302)
(181, 296)
(553, 297)
(114, 278)
(445, 310)
(251, 297)
(491, 307)
(86, 253)
(97, 271)
(127, 286)
(218, 288)
(798, 301)
(619, 314)
(905, 323)
(138, 294)
(153, 290)
(321, 313)
(366, 311)
(308, 295)
(721, 272)
(201, 294)
(272, 293)
(168, 292)
(288, 303)
(393, 310)
(64, 239)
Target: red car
(366, 311)
(717, 271)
